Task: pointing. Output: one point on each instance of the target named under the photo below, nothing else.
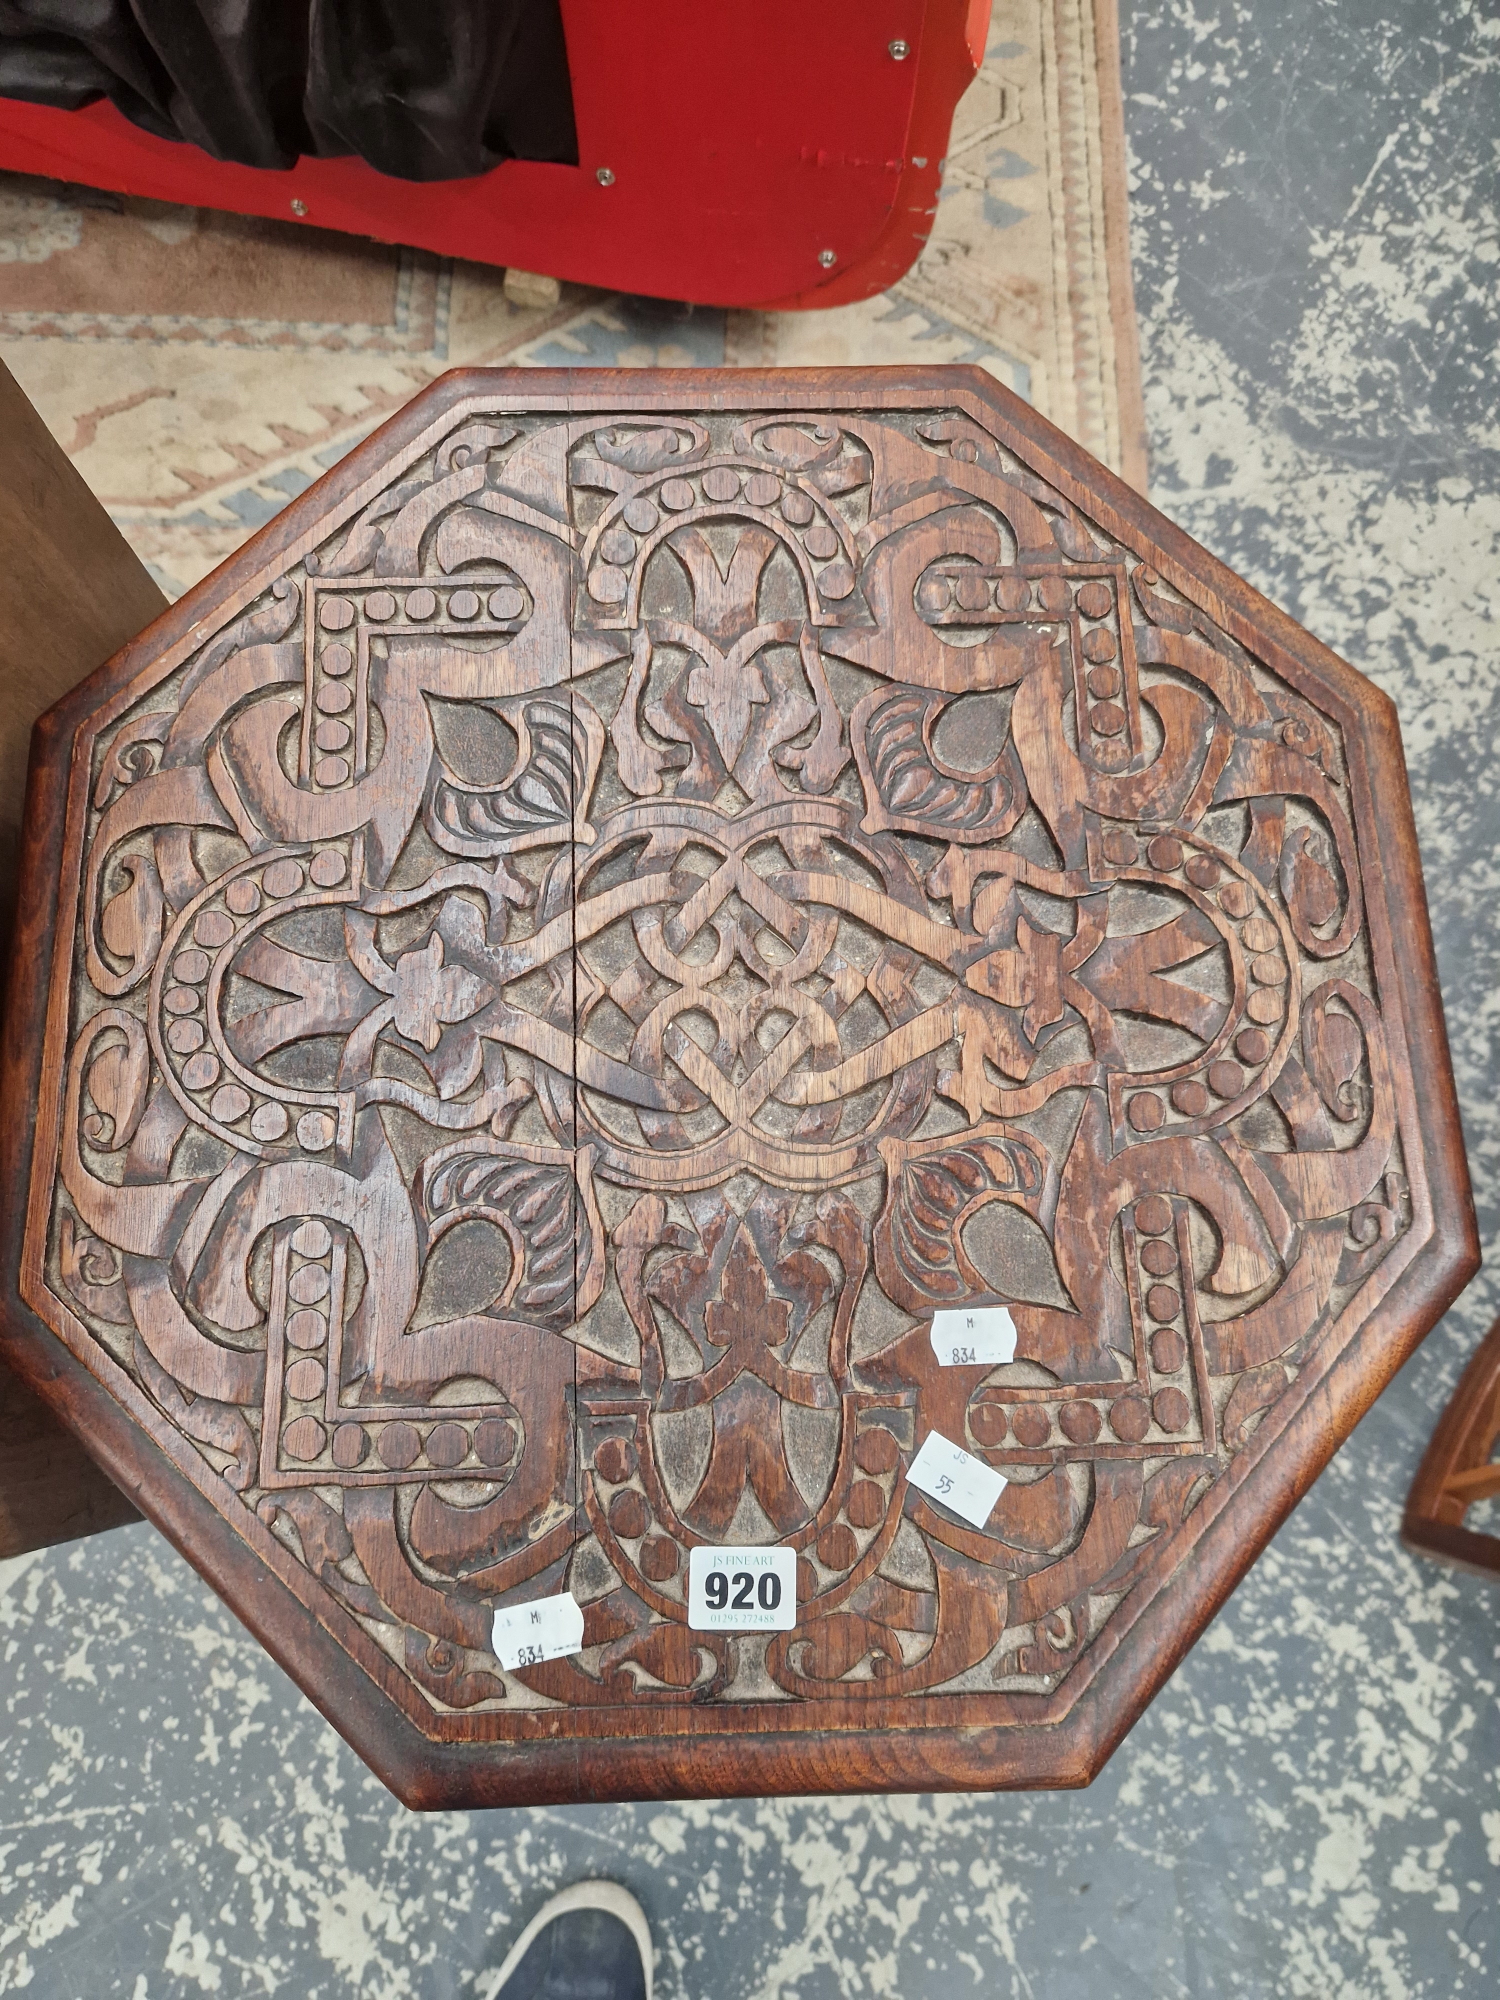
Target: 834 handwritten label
(548, 1629)
(742, 1590)
(973, 1336)
(946, 1472)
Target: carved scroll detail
(573, 975)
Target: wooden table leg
(1457, 1470)
(50, 1489)
(71, 593)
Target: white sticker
(742, 1590)
(549, 1628)
(947, 1472)
(973, 1337)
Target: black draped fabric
(422, 89)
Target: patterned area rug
(194, 428)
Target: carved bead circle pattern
(571, 980)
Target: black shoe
(591, 1942)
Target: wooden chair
(799, 165)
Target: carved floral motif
(587, 962)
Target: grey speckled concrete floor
(1312, 1807)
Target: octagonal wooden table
(539, 979)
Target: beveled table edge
(1440, 1253)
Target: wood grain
(71, 593)
(624, 901)
(1458, 1470)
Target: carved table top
(539, 978)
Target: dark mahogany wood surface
(71, 593)
(1459, 1469)
(622, 902)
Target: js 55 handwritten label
(945, 1472)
